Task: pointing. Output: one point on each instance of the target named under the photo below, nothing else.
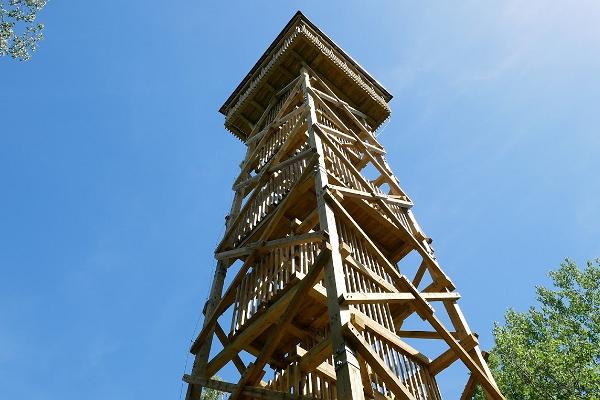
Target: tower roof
(301, 42)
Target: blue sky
(116, 170)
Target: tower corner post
(347, 369)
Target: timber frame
(322, 257)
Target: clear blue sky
(115, 169)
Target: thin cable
(379, 132)
(187, 358)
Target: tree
(212, 394)
(19, 34)
(553, 351)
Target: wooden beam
(315, 355)
(339, 103)
(432, 264)
(223, 304)
(460, 325)
(258, 105)
(284, 89)
(371, 196)
(309, 222)
(488, 384)
(366, 379)
(287, 73)
(448, 357)
(377, 364)
(262, 245)
(423, 334)
(375, 298)
(222, 336)
(419, 274)
(471, 385)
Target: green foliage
(553, 351)
(19, 34)
(212, 394)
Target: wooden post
(349, 380)
(194, 391)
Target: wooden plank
(375, 362)
(366, 379)
(374, 298)
(419, 274)
(370, 196)
(269, 245)
(423, 334)
(309, 222)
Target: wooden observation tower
(328, 264)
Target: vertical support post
(194, 392)
(349, 381)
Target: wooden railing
(274, 142)
(339, 167)
(411, 372)
(342, 172)
(269, 276)
(358, 281)
(325, 119)
(407, 368)
(265, 198)
(273, 111)
(310, 384)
